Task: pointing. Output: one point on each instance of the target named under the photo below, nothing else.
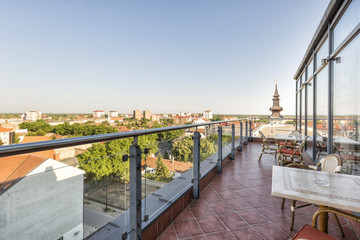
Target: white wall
(44, 205)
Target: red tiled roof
(47, 153)
(173, 167)
(18, 166)
(2, 129)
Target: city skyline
(162, 56)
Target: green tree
(183, 150)
(215, 118)
(1, 142)
(162, 172)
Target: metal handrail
(15, 149)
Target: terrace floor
(237, 204)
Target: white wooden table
(298, 184)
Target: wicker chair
(332, 164)
(288, 153)
(312, 233)
(267, 148)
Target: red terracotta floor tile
(201, 237)
(270, 231)
(243, 193)
(187, 228)
(227, 195)
(220, 236)
(246, 233)
(252, 216)
(210, 224)
(238, 204)
(184, 215)
(256, 202)
(232, 220)
(220, 207)
(201, 210)
(168, 234)
(210, 197)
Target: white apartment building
(208, 114)
(113, 113)
(98, 113)
(32, 115)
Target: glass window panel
(322, 112)
(310, 70)
(303, 111)
(347, 23)
(310, 116)
(298, 110)
(347, 106)
(323, 52)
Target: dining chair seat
(310, 233)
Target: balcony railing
(142, 215)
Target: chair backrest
(295, 133)
(261, 134)
(331, 163)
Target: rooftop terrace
(238, 204)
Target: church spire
(276, 109)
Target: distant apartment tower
(33, 115)
(98, 113)
(147, 114)
(208, 114)
(137, 114)
(113, 113)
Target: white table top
(298, 184)
(337, 140)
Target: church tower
(276, 109)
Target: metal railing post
(250, 139)
(241, 136)
(219, 161)
(135, 190)
(232, 142)
(196, 167)
(246, 133)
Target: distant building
(98, 113)
(182, 120)
(175, 167)
(41, 198)
(7, 136)
(137, 114)
(113, 113)
(147, 114)
(155, 118)
(32, 115)
(208, 114)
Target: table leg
(323, 221)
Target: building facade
(147, 114)
(208, 114)
(113, 113)
(32, 116)
(137, 114)
(327, 84)
(7, 136)
(98, 113)
(45, 203)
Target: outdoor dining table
(324, 189)
(337, 140)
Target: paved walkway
(238, 205)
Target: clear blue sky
(164, 56)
